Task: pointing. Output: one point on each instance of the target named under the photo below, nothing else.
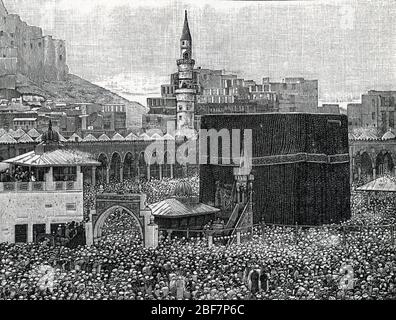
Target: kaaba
(300, 164)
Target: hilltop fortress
(25, 50)
(33, 68)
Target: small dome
(183, 189)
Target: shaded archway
(142, 166)
(101, 171)
(384, 163)
(366, 164)
(388, 162)
(130, 170)
(115, 166)
(166, 167)
(154, 167)
(100, 222)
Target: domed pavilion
(182, 214)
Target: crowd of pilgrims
(156, 190)
(356, 262)
(18, 175)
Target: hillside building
(193, 92)
(26, 52)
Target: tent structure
(103, 137)
(33, 133)
(75, 138)
(90, 138)
(131, 137)
(382, 184)
(118, 137)
(25, 139)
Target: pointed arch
(366, 164)
(130, 171)
(98, 227)
(384, 163)
(142, 167)
(166, 167)
(101, 171)
(115, 165)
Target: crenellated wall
(24, 49)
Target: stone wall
(37, 208)
(40, 58)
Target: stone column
(137, 178)
(237, 193)
(238, 237)
(89, 231)
(84, 122)
(108, 175)
(185, 171)
(359, 173)
(148, 173)
(151, 236)
(374, 173)
(210, 241)
(48, 228)
(30, 233)
(93, 176)
(49, 179)
(79, 178)
(122, 172)
(171, 171)
(160, 171)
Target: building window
(391, 119)
(39, 44)
(71, 207)
(383, 116)
(31, 46)
(21, 231)
(373, 116)
(1, 33)
(60, 57)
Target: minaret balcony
(185, 91)
(185, 61)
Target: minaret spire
(186, 35)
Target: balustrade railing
(39, 186)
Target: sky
(132, 45)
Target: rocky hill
(76, 90)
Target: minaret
(185, 93)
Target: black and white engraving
(218, 150)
